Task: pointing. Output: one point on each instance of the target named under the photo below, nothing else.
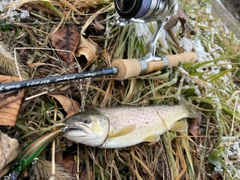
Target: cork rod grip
(173, 60)
(126, 68)
(132, 67)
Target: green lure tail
(31, 151)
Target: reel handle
(132, 67)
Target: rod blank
(55, 79)
(122, 69)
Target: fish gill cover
(210, 147)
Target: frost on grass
(11, 10)
(212, 45)
(231, 156)
(217, 70)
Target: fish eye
(86, 120)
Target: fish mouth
(77, 129)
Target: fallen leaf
(69, 105)
(69, 164)
(195, 127)
(9, 103)
(58, 158)
(86, 51)
(8, 150)
(183, 18)
(65, 40)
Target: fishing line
(104, 141)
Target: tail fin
(193, 112)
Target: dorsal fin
(125, 130)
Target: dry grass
(176, 155)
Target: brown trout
(119, 127)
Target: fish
(124, 126)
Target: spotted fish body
(119, 127)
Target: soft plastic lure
(30, 152)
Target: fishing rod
(127, 11)
(121, 69)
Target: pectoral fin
(152, 138)
(179, 126)
(125, 130)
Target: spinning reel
(143, 11)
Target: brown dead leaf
(69, 105)
(9, 103)
(8, 150)
(195, 127)
(66, 40)
(86, 51)
(183, 18)
(58, 158)
(69, 164)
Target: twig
(53, 151)
(78, 163)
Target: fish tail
(193, 112)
